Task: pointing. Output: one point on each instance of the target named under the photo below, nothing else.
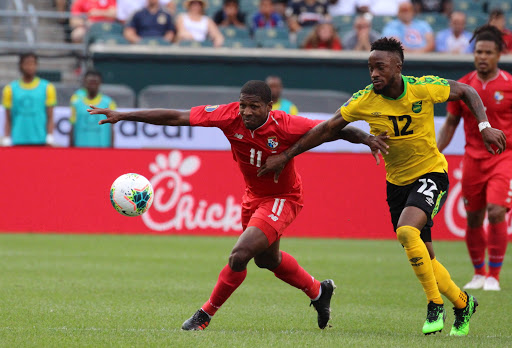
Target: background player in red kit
(256, 132)
(486, 179)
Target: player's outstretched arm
(164, 117)
(357, 136)
(321, 133)
(447, 130)
(466, 93)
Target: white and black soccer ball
(131, 194)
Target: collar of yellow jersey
(31, 85)
(401, 95)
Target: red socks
(290, 272)
(476, 243)
(497, 236)
(228, 281)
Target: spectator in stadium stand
(95, 10)
(276, 87)
(255, 132)
(230, 15)
(362, 35)
(267, 17)
(151, 21)
(379, 7)
(498, 19)
(126, 8)
(342, 7)
(433, 6)
(455, 39)
(416, 172)
(193, 25)
(306, 13)
(28, 104)
(85, 131)
(486, 179)
(323, 36)
(416, 35)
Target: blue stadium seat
(506, 6)
(100, 29)
(436, 20)
(468, 5)
(343, 23)
(206, 43)
(302, 35)
(261, 35)
(249, 6)
(112, 39)
(379, 22)
(235, 33)
(475, 19)
(277, 43)
(240, 43)
(154, 41)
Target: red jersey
(251, 148)
(496, 95)
(85, 6)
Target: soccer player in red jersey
(486, 179)
(256, 132)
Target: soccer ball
(131, 194)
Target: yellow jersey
(409, 122)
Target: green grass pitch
(136, 291)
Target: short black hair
(489, 32)
(388, 44)
(92, 72)
(257, 88)
(26, 55)
(227, 2)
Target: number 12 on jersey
(258, 157)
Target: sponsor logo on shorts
(273, 217)
(210, 108)
(429, 201)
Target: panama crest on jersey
(272, 142)
(498, 96)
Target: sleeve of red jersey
(454, 107)
(212, 115)
(297, 126)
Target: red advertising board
(66, 190)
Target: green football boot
(436, 316)
(461, 324)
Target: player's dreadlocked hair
(489, 32)
(259, 88)
(388, 44)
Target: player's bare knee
(496, 213)
(238, 259)
(266, 262)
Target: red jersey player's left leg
(272, 217)
(499, 198)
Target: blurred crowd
(421, 25)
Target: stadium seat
(266, 34)
(232, 32)
(379, 22)
(302, 35)
(190, 43)
(506, 6)
(123, 95)
(185, 97)
(469, 5)
(100, 29)
(249, 6)
(343, 24)
(154, 41)
(112, 39)
(436, 20)
(278, 43)
(240, 43)
(475, 19)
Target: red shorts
(270, 214)
(487, 181)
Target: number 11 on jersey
(258, 157)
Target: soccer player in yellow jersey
(417, 182)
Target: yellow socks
(419, 258)
(447, 287)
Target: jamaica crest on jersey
(272, 142)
